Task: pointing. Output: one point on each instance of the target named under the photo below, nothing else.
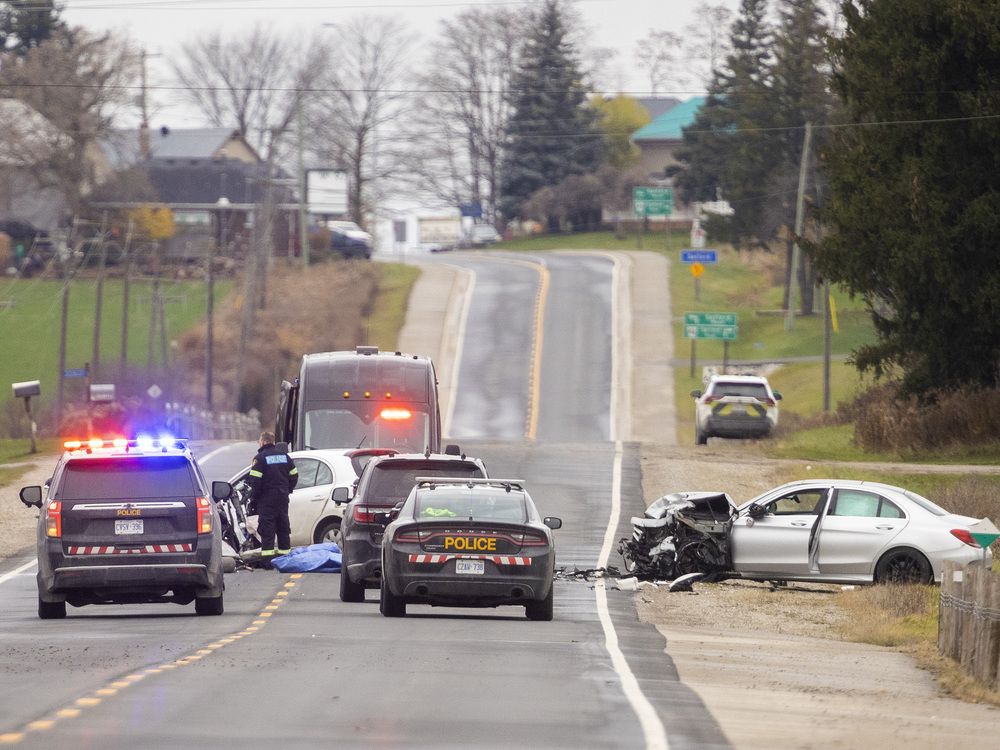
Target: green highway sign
(653, 201)
(709, 325)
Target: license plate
(470, 567)
(128, 527)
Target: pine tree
(25, 24)
(728, 151)
(914, 190)
(551, 134)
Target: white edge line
(17, 571)
(459, 346)
(213, 454)
(649, 720)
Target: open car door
(779, 536)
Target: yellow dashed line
(296, 576)
(270, 607)
(11, 738)
(152, 670)
(290, 585)
(87, 702)
(43, 724)
(259, 622)
(68, 713)
(133, 678)
(106, 691)
(282, 594)
(203, 652)
(120, 684)
(171, 665)
(264, 614)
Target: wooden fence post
(986, 662)
(955, 637)
(944, 609)
(967, 647)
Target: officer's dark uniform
(272, 476)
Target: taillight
(364, 514)
(205, 513)
(965, 537)
(768, 401)
(410, 535)
(53, 519)
(530, 540)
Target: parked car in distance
(350, 240)
(464, 542)
(735, 406)
(385, 482)
(481, 235)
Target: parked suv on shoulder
(128, 522)
(735, 406)
(385, 482)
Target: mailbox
(27, 388)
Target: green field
(30, 316)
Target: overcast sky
(161, 25)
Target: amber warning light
(395, 413)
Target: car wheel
(349, 590)
(389, 604)
(51, 610)
(698, 556)
(209, 606)
(541, 610)
(903, 566)
(328, 531)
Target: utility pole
(799, 218)
(63, 321)
(126, 282)
(303, 228)
(99, 304)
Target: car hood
(708, 506)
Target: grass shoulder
(388, 313)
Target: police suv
(128, 521)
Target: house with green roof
(660, 140)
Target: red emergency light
(395, 413)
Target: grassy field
(389, 311)
(29, 325)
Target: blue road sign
(79, 372)
(699, 256)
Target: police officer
(272, 476)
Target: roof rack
(507, 484)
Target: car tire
(541, 610)
(51, 610)
(329, 528)
(903, 565)
(389, 604)
(209, 606)
(349, 590)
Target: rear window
(391, 481)
(127, 479)
(926, 504)
(471, 505)
(756, 390)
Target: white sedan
(314, 514)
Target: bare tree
(78, 81)
(706, 41)
(659, 54)
(362, 94)
(462, 117)
(251, 83)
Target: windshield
(127, 479)
(392, 481)
(471, 505)
(366, 425)
(755, 390)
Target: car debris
(679, 534)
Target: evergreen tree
(25, 24)
(914, 190)
(728, 151)
(551, 134)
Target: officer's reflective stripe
(283, 551)
(255, 473)
(294, 471)
(267, 553)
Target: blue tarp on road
(316, 558)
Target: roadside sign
(154, 391)
(699, 256)
(697, 236)
(102, 392)
(697, 269)
(653, 201)
(984, 532)
(708, 325)
(76, 372)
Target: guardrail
(969, 620)
(200, 424)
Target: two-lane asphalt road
(290, 664)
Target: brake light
(965, 537)
(364, 514)
(204, 515)
(395, 413)
(53, 519)
(530, 540)
(410, 535)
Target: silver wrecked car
(836, 531)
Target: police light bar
(143, 442)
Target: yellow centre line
(68, 713)
(106, 691)
(87, 702)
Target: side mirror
(341, 495)
(696, 393)
(777, 395)
(32, 496)
(552, 522)
(221, 491)
(757, 511)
